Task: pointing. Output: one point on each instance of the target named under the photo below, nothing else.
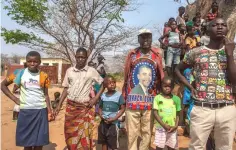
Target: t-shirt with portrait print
(210, 73)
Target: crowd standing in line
(197, 54)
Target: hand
(16, 100)
(229, 47)
(57, 110)
(166, 127)
(51, 117)
(193, 92)
(92, 102)
(109, 120)
(172, 129)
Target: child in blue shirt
(111, 107)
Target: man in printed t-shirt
(214, 70)
(142, 78)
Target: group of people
(146, 98)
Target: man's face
(181, 10)
(145, 40)
(81, 58)
(218, 29)
(145, 76)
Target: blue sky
(150, 13)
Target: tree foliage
(68, 24)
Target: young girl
(174, 45)
(166, 108)
(32, 130)
(191, 41)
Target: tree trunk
(227, 11)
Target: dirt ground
(56, 129)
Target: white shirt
(31, 94)
(80, 82)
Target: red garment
(211, 16)
(79, 123)
(129, 66)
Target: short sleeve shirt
(210, 73)
(31, 93)
(110, 105)
(167, 109)
(80, 82)
(192, 42)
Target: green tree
(94, 24)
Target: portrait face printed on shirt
(145, 76)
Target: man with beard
(142, 78)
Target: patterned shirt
(210, 73)
(143, 73)
(80, 82)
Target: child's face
(182, 28)
(173, 25)
(186, 17)
(33, 63)
(197, 22)
(81, 58)
(110, 84)
(166, 87)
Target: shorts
(108, 134)
(173, 57)
(163, 138)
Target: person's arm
(4, 87)
(62, 98)
(48, 103)
(231, 66)
(98, 79)
(162, 38)
(176, 123)
(179, 73)
(158, 119)
(120, 113)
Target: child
(205, 39)
(111, 107)
(32, 130)
(166, 108)
(197, 26)
(56, 101)
(174, 45)
(191, 41)
(179, 18)
(182, 32)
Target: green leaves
(17, 36)
(26, 12)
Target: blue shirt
(110, 105)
